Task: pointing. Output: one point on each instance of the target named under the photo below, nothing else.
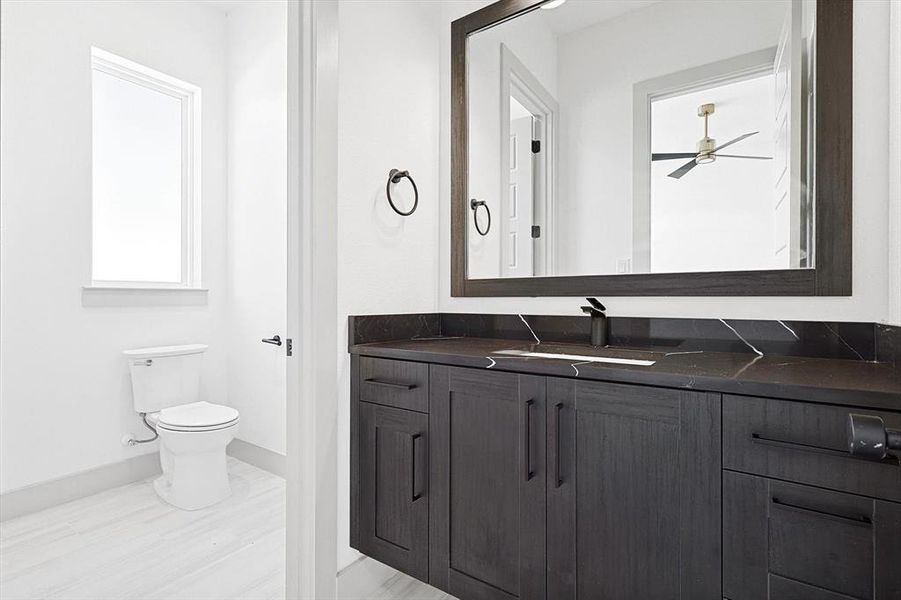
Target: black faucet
(598, 322)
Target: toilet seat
(196, 416)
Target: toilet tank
(164, 376)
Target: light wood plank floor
(403, 587)
(356, 583)
(126, 543)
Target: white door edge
(312, 520)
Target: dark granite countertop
(827, 380)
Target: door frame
(312, 461)
(516, 79)
(895, 174)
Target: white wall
(870, 188)
(388, 118)
(257, 196)
(65, 395)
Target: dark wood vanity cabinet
(803, 518)
(394, 507)
(494, 485)
(633, 492)
(805, 443)
(784, 541)
(390, 463)
(488, 484)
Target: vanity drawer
(396, 383)
(783, 541)
(806, 443)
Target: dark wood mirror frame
(832, 238)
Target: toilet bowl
(193, 438)
(192, 434)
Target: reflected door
(517, 250)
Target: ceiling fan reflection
(707, 151)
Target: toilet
(193, 434)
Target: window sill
(143, 296)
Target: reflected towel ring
(474, 205)
(395, 176)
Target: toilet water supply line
(135, 441)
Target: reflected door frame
(517, 81)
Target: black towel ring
(395, 176)
(474, 205)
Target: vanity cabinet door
(488, 484)
(784, 541)
(634, 497)
(394, 501)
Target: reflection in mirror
(640, 136)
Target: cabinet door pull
(391, 384)
(861, 520)
(760, 439)
(558, 481)
(527, 440)
(416, 492)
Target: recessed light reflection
(552, 4)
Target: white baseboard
(31, 499)
(257, 456)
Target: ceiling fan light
(704, 159)
(552, 4)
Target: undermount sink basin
(578, 358)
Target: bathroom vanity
(718, 471)
(503, 456)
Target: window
(146, 176)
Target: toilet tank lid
(160, 351)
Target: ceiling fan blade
(738, 156)
(672, 155)
(738, 139)
(678, 173)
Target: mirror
(623, 137)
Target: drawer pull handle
(391, 384)
(757, 438)
(861, 520)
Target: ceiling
(578, 14)
(225, 6)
